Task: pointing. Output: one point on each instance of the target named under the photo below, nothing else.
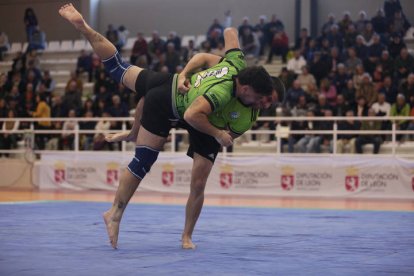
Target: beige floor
(13, 195)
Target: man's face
(249, 97)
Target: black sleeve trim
(235, 132)
(233, 50)
(221, 59)
(210, 102)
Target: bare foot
(119, 137)
(112, 227)
(187, 243)
(69, 12)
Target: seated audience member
(310, 143)
(103, 127)
(400, 108)
(361, 108)
(86, 139)
(305, 78)
(294, 93)
(347, 139)
(68, 137)
(296, 63)
(367, 90)
(329, 91)
(407, 89)
(8, 140)
(249, 42)
(374, 139)
(84, 64)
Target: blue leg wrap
(116, 67)
(142, 162)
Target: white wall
(188, 16)
(354, 6)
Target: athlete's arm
(231, 39)
(197, 116)
(198, 61)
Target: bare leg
(127, 188)
(130, 135)
(200, 172)
(102, 46)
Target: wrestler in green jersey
(216, 84)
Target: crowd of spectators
(354, 67)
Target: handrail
(279, 134)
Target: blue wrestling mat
(69, 238)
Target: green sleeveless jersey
(216, 85)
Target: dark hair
(280, 88)
(258, 78)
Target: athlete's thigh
(148, 139)
(131, 76)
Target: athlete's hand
(183, 84)
(224, 138)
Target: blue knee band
(142, 162)
(115, 67)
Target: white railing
(30, 132)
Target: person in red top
(280, 46)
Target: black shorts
(158, 117)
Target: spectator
(172, 58)
(362, 139)
(387, 63)
(259, 29)
(341, 106)
(140, 49)
(294, 138)
(362, 21)
(334, 59)
(156, 46)
(112, 35)
(118, 108)
(245, 25)
(74, 80)
(347, 139)
(349, 93)
(301, 108)
(48, 82)
(42, 111)
(374, 53)
(29, 96)
(322, 106)
(8, 140)
(345, 23)
(123, 34)
(390, 7)
(404, 64)
(350, 36)
(84, 64)
(4, 44)
(87, 107)
(381, 107)
(368, 34)
(272, 27)
(87, 139)
(215, 25)
(326, 139)
(318, 67)
(296, 63)
(335, 38)
(220, 50)
(72, 97)
(68, 137)
(400, 24)
(279, 46)
(310, 143)
(353, 61)
(358, 76)
(400, 108)
(312, 94)
(379, 22)
(361, 48)
(389, 90)
(326, 27)
(396, 45)
(361, 108)
(189, 51)
(287, 78)
(37, 40)
(305, 78)
(302, 42)
(249, 42)
(216, 37)
(59, 110)
(294, 93)
(407, 89)
(367, 90)
(329, 91)
(340, 78)
(103, 127)
(30, 22)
